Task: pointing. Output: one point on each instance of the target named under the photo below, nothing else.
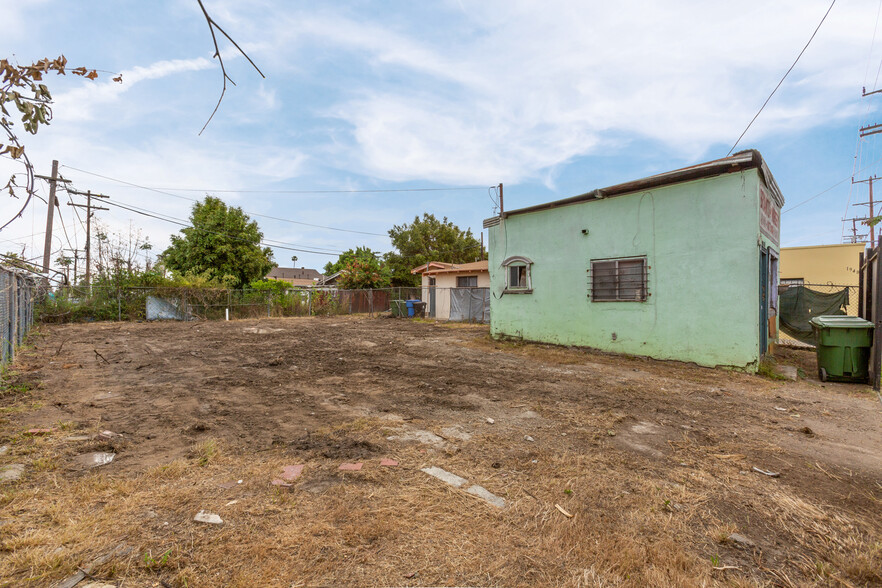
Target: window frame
(643, 289)
(475, 278)
(518, 261)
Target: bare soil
(654, 461)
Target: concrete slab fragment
(482, 492)
(788, 371)
(445, 476)
(455, 432)
(350, 467)
(741, 540)
(292, 472)
(93, 460)
(4, 449)
(426, 437)
(207, 517)
(11, 472)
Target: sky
(372, 113)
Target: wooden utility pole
(500, 199)
(47, 247)
(871, 212)
(89, 208)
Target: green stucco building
(682, 265)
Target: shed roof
(437, 267)
(742, 160)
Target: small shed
(681, 265)
(461, 287)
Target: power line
(378, 191)
(364, 191)
(782, 79)
(810, 198)
(187, 225)
(245, 211)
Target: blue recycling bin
(410, 307)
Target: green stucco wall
(701, 240)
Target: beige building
(438, 279)
(824, 268)
(835, 265)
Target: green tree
(359, 253)
(361, 273)
(428, 239)
(222, 244)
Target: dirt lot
(653, 461)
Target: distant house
(825, 270)
(681, 265)
(330, 281)
(821, 264)
(296, 276)
(456, 291)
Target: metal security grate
(618, 280)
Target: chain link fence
(17, 294)
(78, 304)
(850, 308)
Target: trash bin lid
(841, 322)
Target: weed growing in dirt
(205, 452)
(766, 369)
(157, 563)
(10, 385)
(44, 464)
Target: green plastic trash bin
(398, 308)
(843, 344)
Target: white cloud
(539, 84)
(89, 99)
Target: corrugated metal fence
(17, 293)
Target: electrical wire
(265, 242)
(187, 225)
(859, 142)
(167, 193)
(810, 198)
(782, 79)
(124, 182)
(365, 191)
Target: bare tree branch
(212, 25)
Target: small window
(614, 280)
(518, 279)
(467, 281)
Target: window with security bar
(619, 280)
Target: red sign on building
(770, 217)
